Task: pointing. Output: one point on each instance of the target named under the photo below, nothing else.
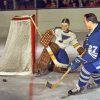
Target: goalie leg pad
(43, 63)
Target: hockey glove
(75, 63)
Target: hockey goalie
(55, 41)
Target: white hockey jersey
(64, 39)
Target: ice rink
(33, 88)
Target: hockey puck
(4, 80)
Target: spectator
(25, 4)
(41, 3)
(5, 4)
(51, 4)
(91, 4)
(63, 3)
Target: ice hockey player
(90, 58)
(64, 38)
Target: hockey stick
(50, 52)
(55, 85)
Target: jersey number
(92, 51)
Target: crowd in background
(39, 4)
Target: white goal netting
(18, 56)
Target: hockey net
(19, 51)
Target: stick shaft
(65, 73)
(63, 76)
(35, 26)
